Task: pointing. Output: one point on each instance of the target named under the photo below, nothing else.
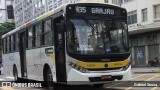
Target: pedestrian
(156, 61)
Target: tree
(6, 27)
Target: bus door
(22, 54)
(59, 39)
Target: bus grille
(104, 69)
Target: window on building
(152, 39)
(157, 11)
(144, 15)
(43, 2)
(106, 1)
(134, 42)
(35, 8)
(125, 1)
(132, 17)
(10, 12)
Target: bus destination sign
(94, 10)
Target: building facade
(6, 11)
(144, 29)
(26, 10)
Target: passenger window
(17, 41)
(47, 35)
(37, 35)
(12, 43)
(29, 38)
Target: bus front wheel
(49, 79)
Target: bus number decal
(81, 9)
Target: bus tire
(98, 85)
(49, 80)
(15, 73)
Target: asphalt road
(148, 77)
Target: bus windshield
(96, 37)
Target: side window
(37, 35)
(26, 37)
(17, 41)
(8, 44)
(5, 45)
(34, 37)
(47, 36)
(29, 37)
(12, 43)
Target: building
(6, 11)
(144, 29)
(26, 10)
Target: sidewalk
(146, 70)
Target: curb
(147, 72)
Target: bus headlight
(78, 68)
(126, 67)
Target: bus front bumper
(77, 78)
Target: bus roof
(41, 17)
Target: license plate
(106, 77)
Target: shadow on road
(81, 87)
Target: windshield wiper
(88, 22)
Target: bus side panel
(11, 63)
(68, 68)
(5, 59)
(9, 60)
(37, 63)
(30, 65)
(17, 63)
(48, 57)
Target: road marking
(154, 88)
(138, 76)
(7, 88)
(124, 82)
(145, 80)
(128, 88)
(1, 79)
(9, 77)
(115, 85)
(151, 78)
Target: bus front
(97, 43)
